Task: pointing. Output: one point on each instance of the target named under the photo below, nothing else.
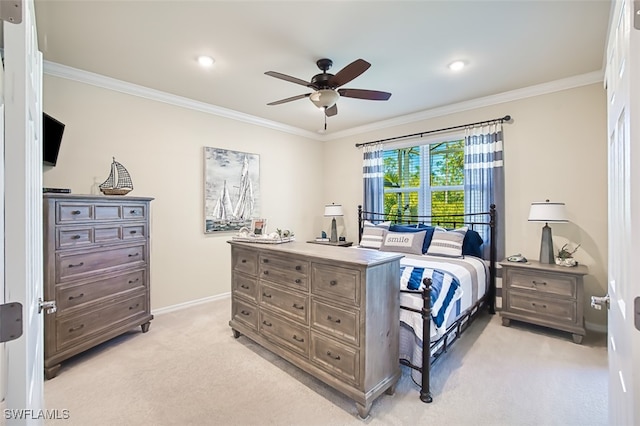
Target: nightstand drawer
(542, 282)
(558, 309)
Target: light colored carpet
(189, 370)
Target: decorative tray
(263, 240)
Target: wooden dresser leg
(236, 334)
(145, 327)
(51, 372)
(577, 338)
(506, 322)
(363, 410)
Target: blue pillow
(472, 244)
(413, 228)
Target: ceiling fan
(326, 86)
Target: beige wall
(162, 147)
(555, 148)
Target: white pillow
(447, 243)
(404, 242)
(373, 235)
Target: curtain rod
(502, 119)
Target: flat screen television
(52, 131)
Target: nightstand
(543, 294)
(333, 243)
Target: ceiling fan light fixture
(205, 61)
(324, 98)
(457, 65)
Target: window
(425, 180)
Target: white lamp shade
(546, 211)
(333, 210)
(325, 98)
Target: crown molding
(63, 71)
(98, 80)
(513, 95)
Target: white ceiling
(508, 45)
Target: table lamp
(333, 210)
(547, 212)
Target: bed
(447, 277)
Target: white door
(623, 111)
(23, 215)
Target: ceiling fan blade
(289, 78)
(349, 72)
(372, 95)
(293, 98)
(331, 111)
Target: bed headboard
(473, 220)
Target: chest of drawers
(331, 311)
(543, 294)
(96, 269)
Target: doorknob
(49, 306)
(597, 302)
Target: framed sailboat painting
(231, 189)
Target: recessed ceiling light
(456, 65)
(205, 61)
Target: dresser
(331, 311)
(96, 269)
(544, 294)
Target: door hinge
(636, 14)
(10, 321)
(11, 11)
(49, 306)
(598, 302)
(636, 312)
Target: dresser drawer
(245, 286)
(295, 305)
(245, 313)
(73, 237)
(291, 335)
(134, 232)
(244, 261)
(338, 359)
(134, 211)
(336, 283)
(557, 309)
(72, 329)
(79, 294)
(290, 272)
(543, 282)
(70, 211)
(76, 265)
(338, 322)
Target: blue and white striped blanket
(456, 285)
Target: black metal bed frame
(429, 355)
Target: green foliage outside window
(403, 179)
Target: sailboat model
(119, 181)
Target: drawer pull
(75, 237)
(266, 272)
(534, 305)
(333, 282)
(298, 268)
(243, 261)
(76, 212)
(71, 265)
(134, 306)
(301, 307)
(535, 283)
(133, 212)
(133, 255)
(337, 320)
(265, 260)
(330, 355)
(267, 323)
(266, 295)
(133, 231)
(76, 297)
(245, 313)
(72, 329)
(134, 281)
(246, 287)
(298, 339)
(298, 281)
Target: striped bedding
(457, 283)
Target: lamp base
(546, 246)
(334, 231)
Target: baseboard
(189, 304)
